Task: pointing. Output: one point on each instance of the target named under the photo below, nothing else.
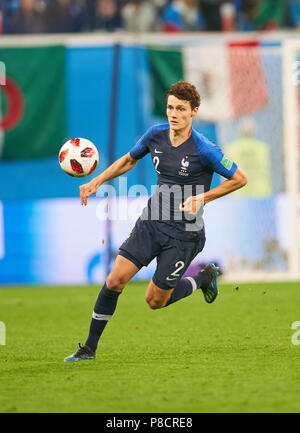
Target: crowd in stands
(71, 16)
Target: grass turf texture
(234, 355)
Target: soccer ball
(78, 157)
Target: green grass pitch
(235, 355)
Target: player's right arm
(119, 167)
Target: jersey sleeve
(215, 160)
(141, 148)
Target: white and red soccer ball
(78, 157)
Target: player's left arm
(214, 160)
(194, 203)
(238, 180)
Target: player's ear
(195, 111)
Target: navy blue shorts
(146, 242)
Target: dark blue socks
(186, 286)
(183, 289)
(202, 280)
(107, 301)
(104, 308)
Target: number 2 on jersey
(156, 162)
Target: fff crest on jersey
(184, 165)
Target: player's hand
(87, 190)
(192, 204)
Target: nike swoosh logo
(171, 279)
(157, 151)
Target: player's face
(179, 113)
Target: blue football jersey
(182, 171)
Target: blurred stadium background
(108, 86)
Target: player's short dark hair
(186, 92)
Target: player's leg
(169, 286)
(172, 261)
(135, 252)
(206, 280)
(157, 297)
(122, 272)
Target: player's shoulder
(156, 129)
(203, 144)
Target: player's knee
(153, 302)
(116, 283)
